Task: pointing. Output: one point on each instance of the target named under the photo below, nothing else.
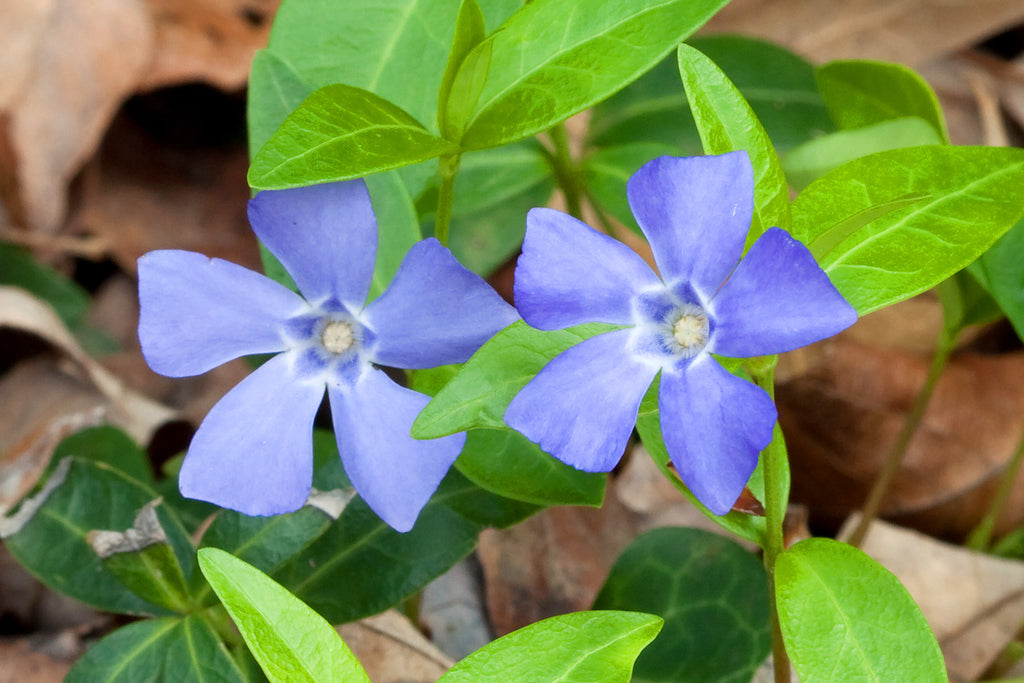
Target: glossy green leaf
(999, 270)
(607, 171)
(928, 212)
(726, 123)
(156, 650)
(480, 393)
(546, 65)
(813, 159)
(844, 617)
(859, 93)
(711, 592)
(581, 646)
(52, 545)
(339, 133)
(289, 640)
(458, 105)
(508, 464)
(20, 269)
(361, 566)
(779, 86)
(648, 425)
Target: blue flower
(253, 452)
(695, 212)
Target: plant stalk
(448, 166)
(873, 504)
(565, 170)
(981, 538)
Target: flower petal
(254, 451)
(393, 472)
(434, 312)
(714, 425)
(778, 299)
(695, 212)
(196, 313)
(581, 408)
(324, 235)
(569, 274)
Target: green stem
(775, 466)
(981, 538)
(566, 172)
(448, 166)
(873, 504)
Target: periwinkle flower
(695, 212)
(253, 452)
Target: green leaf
(726, 123)
(52, 545)
(998, 269)
(813, 159)
(844, 617)
(927, 212)
(340, 133)
(19, 268)
(711, 592)
(275, 90)
(508, 464)
(457, 106)
(581, 646)
(108, 445)
(546, 65)
(289, 640)
(607, 171)
(480, 393)
(966, 302)
(859, 93)
(156, 650)
(361, 566)
(778, 84)
(648, 425)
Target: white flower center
(337, 337)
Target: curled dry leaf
(392, 650)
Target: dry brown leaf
(22, 662)
(75, 62)
(392, 650)
(910, 32)
(212, 41)
(973, 602)
(841, 417)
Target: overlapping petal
(197, 313)
(324, 235)
(695, 212)
(434, 312)
(582, 406)
(394, 473)
(714, 425)
(777, 300)
(254, 451)
(569, 274)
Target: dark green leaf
(339, 133)
(925, 213)
(480, 393)
(157, 650)
(966, 302)
(999, 270)
(52, 545)
(859, 93)
(546, 65)
(508, 464)
(813, 159)
(726, 123)
(711, 592)
(108, 445)
(844, 617)
(582, 646)
(290, 641)
(19, 268)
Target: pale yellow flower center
(337, 336)
(691, 330)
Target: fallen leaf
(451, 610)
(392, 650)
(22, 662)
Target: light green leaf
(157, 650)
(859, 93)
(726, 123)
(275, 90)
(480, 393)
(607, 171)
(711, 592)
(582, 646)
(546, 65)
(924, 213)
(457, 106)
(813, 159)
(339, 133)
(289, 640)
(844, 617)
